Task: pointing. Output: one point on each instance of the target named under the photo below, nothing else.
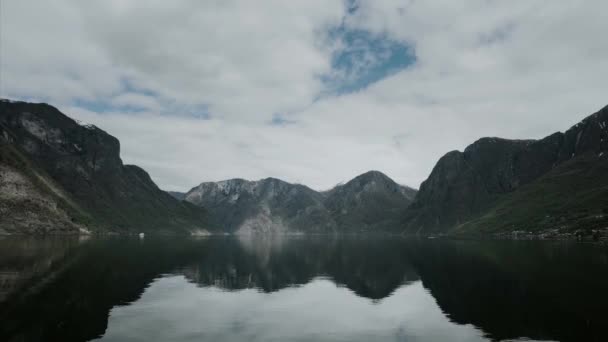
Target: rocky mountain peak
(373, 181)
(247, 205)
(464, 184)
(82, 163)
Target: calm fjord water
(320, 288)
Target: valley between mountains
(60, 177)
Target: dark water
(301, 289)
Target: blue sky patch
(363, 58)
(280, 120)
(167, 107)
(104, 105)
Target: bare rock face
(371, 201)
(266, 206)
(84, 163)
(25, 209)
(464, 185)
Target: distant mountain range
(58, 176)
(371, 201)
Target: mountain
(57, 175)
(496, 185)
(177, 195)
(370, 201)
(30, 202)
(267, 205)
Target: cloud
(200, 91)
(245, 60)
(182, 152)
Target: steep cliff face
(465, 185)
(570, 197)
(84, 162)
(453, 192)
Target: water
(321, 288)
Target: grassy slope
(133, 203)
(574, 195)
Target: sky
(308, 91)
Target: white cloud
(181, 152)
(135, 100)
(245, 60)
(516, 69)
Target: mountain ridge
(464, 186)
(244, 206)
(80, 168)
(60, 176)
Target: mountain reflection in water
(301, 288)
